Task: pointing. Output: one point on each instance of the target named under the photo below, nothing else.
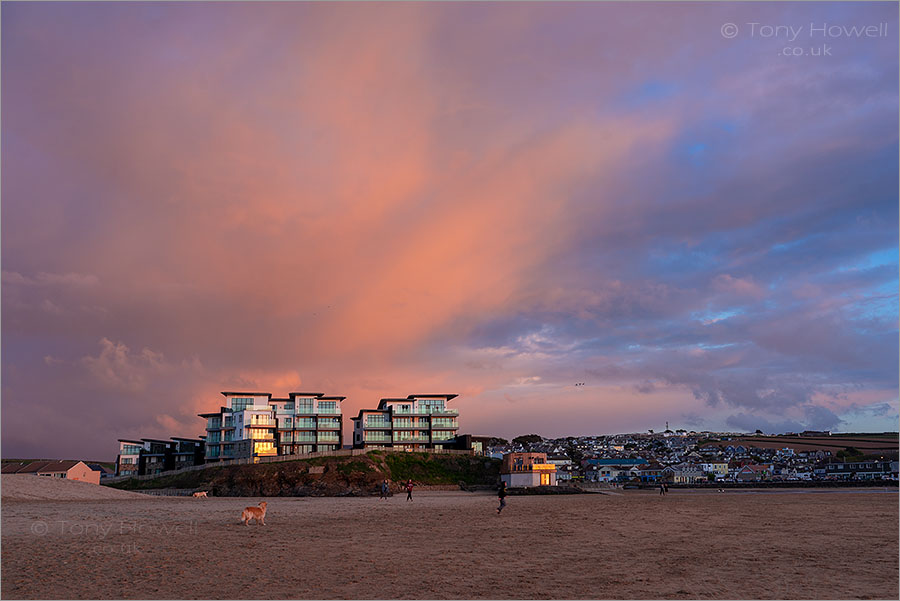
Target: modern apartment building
(253, 424)
(151, 455)
(419, 421)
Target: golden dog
(201, 494)
(254, 513)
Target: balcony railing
(427, 413)
(413, 439)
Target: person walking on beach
(384, 490)
(409, 487)
(662, 489)
(501, 494)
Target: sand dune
(28, 487)
(453, 545)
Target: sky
(499, 201)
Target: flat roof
(315, 394)
(128, 440)
(332, 398)
(268, 394)
(433, 396)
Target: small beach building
(527, 469)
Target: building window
(377, 421)
(328, 407)
(304, 407)
(264, 448)
(259, 434)
(257, 419)
(431, 405)
(241, 403)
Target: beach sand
(633, 544)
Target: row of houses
(66, 469)
(152, 455)
(631, 470)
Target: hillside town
(256, 426)
(688, 457)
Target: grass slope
(337, 476)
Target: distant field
(866, 443)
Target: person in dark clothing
(501, 494)
(409, 487)
(662, 489)
(384, 490)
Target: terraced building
(253, 424)
(419, 421)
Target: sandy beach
(632, 544)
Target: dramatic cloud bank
(492, 200)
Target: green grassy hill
(330, 476)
